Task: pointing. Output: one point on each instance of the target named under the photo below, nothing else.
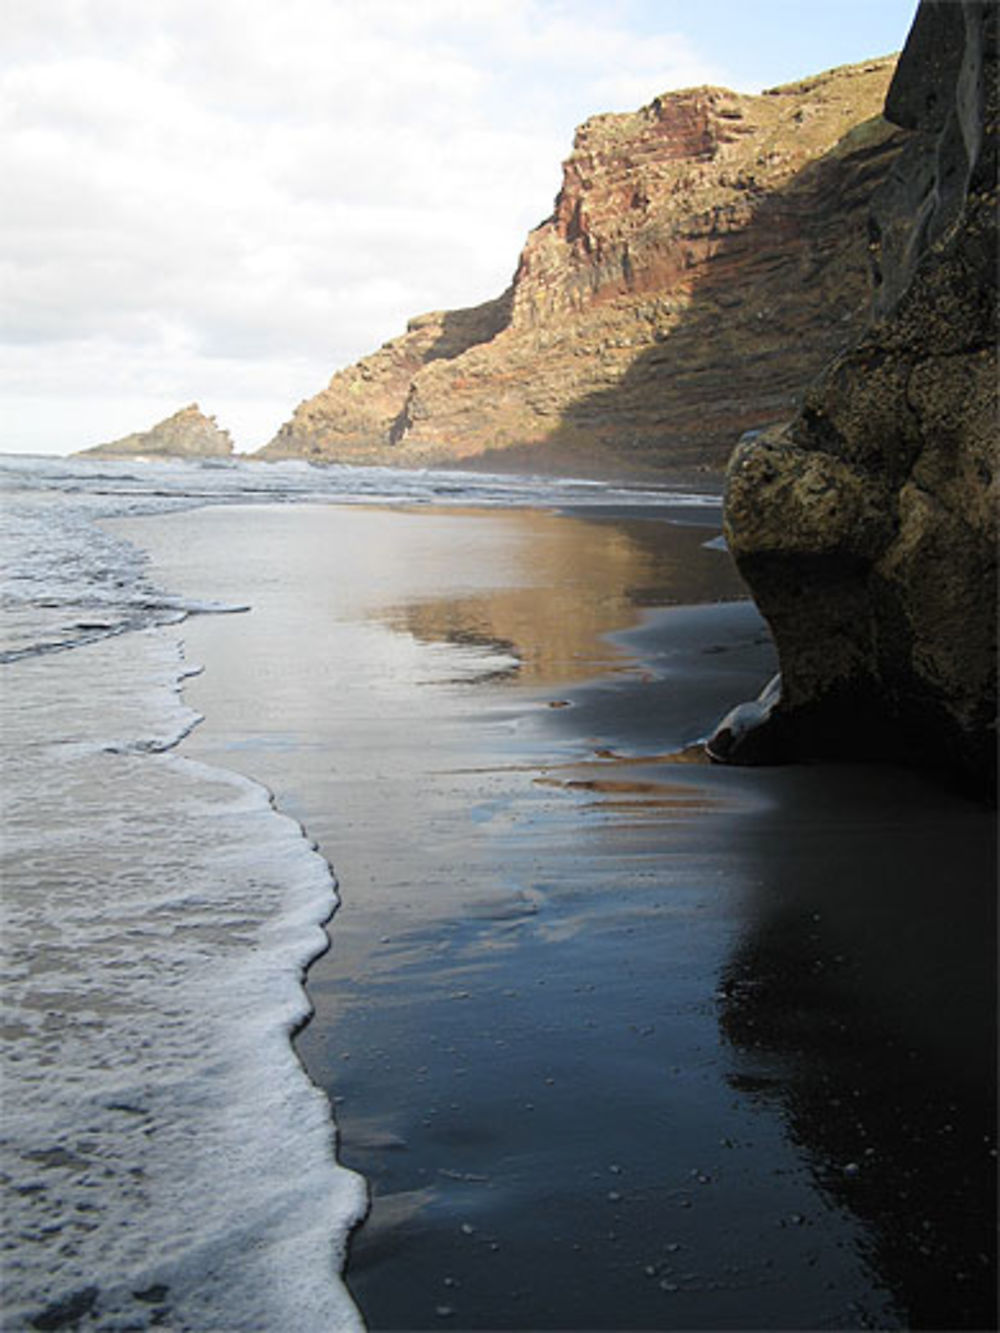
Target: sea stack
(866, 528)
(189, 433)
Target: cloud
(226, 192)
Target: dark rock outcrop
(186, 434)
(866, 529)
(705, 256)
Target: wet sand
(619, 1042)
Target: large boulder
(866, 529)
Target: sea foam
(170, 1162)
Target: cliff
(866, 529)
(705, 257)
(186, 434)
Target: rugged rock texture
(867, 528)
(187, 434)
(706, 256)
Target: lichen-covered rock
(186, 434)
(866, 529)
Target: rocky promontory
(866, 528)
(189, 433)
(706, 255)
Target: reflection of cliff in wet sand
(573, 583)
(542, 925)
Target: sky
(225, 201)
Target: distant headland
(189, 433)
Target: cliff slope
(867, 528)
(705, 257)
(186, 434)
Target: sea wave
(170, 1161)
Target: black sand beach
(618, 1041)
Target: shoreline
(648, 1246)
(535, 1074)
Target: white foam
(160, 1132)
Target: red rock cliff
(705, 256)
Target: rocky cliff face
(187, 434)
(705, 256)
(867, 528)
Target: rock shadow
(772, 298)
(860, 1005)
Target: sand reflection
(557, 586)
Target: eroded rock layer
(867, 528)
(706, 256)
(186, 434)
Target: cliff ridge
(703, 259)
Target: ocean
(166, 1161)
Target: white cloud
(220, 198)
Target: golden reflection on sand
(560, 586)
(648, 794)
